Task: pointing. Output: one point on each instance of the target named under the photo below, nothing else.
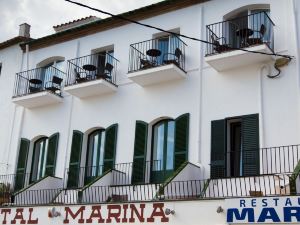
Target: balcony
(157, 61)
(252, 33)
(92, 75)
(38, 87)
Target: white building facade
(107, 121)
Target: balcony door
(167, 46)
(251, 19)
(95, 155)
(163, 150)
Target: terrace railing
(273, 160)
(255, 186)
(240, 32)
(92, 67)
(38, 80)
(157, 52)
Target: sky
(42, 15)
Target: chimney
(24, 30)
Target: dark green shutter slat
(218, 149)
(181, 140)
(74, 165)
(22, 164)
(250, 144)
(140, 149)
(110, 147)
(52, 154)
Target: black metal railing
(273, 160)
(157, 52)
(254, 186)
(121, 174)
(38, 80)
(241, 32)
(92, 67)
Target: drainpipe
(68, 153)
(202, 168)
(264, 71)
(295, 14)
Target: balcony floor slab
(157, 75)
(37, 99)
(238, 58)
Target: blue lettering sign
(234, 213)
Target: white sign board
(263, 210)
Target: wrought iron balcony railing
(38, 80)
(157, 52)
(92, 67)
(240, 32)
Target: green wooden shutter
(52, 154)
(250, 144)
(181, 140)
(110, 147)
(218, 149)
(140, 152)
(22, 164)
(74, 165)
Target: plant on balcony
(4, 193)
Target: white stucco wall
(220, 94)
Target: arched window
(51, 67)
(95, 154)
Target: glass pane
(101, 152)
(39, 160)
(170, 146)
(158, 147)
(95, 154)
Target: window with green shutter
(110, 147)
(22, 164)
(181, 140)
(140, 152)
(235, 147)
(218, 149)
(75, 158)
(169, 149)
(52, 154)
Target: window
(95, 155)
(103, 60)
(43, 160)
(169, 149)
(235, 147)
(47, 71)
(167, 46)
